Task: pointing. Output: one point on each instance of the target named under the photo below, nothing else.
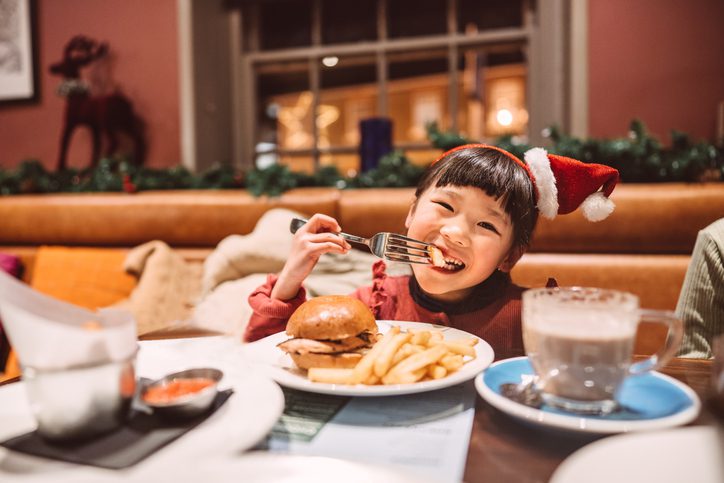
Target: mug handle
(673, 340)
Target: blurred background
(241, 82)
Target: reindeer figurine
(105, 115)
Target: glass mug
(580, 343)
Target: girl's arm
(269, 315)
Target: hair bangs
(498, 176)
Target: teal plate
(649, 401)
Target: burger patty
(301, 346)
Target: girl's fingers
(319, 249)
(329, 238)
(334, 247)
(320, 223)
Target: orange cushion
(12, 368)
(87, 277)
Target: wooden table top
(503, 449)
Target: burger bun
(331, 317)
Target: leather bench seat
(656, 279)
(180, 218)
(643, 247)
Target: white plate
(279, 366)
(650, 401)
(670, 456)
(241, 422)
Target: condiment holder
(183, 394)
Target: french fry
(406, 370)
(452, 362)
(459, 348)
(405, 378)
(404, 351)
(384, 358)
(364, 367)
(420, 338)
(435, 338)
(372, 380)
(419, 374)
(436, 371)
(471, 341)
(330, 375)
(402, 358)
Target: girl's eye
(488, 226)
(444, 205)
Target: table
(503, 449)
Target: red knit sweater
(497, 322)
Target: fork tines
(400, 248)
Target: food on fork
(436, 256)
(331, 331)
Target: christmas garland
(639, 158)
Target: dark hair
(498, 175)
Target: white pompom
(540, 166)
(597, 207)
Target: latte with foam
(580, 340)
(585, 367)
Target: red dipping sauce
(175, 389)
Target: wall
(143, 40)
(658, 60)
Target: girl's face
(473, 232)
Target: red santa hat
(563, 184)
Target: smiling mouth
(443, 262)
(451, 265)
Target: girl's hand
(310, 242)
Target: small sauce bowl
(183, 394)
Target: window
(284, 24)
(319, 67)
(344, 21)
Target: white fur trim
(597, 206)
(540, 166)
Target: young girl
(479, 205)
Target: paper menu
(50, 334)
(425, 434)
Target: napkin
(49, 334)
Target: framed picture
(18, 68)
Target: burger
(330, 331)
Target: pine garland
(639, 158)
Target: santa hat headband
(563, 184)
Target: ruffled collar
(482, 295)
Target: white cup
(580, 343)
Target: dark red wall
(143, 40)
(661, 61)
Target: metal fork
(390, 246)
